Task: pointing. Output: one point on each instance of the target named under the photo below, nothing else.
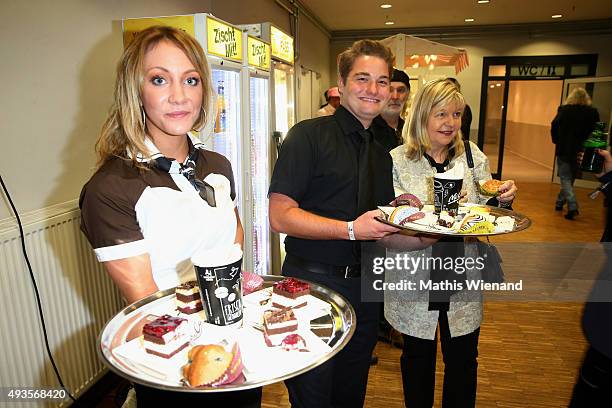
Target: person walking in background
(571, 126)
(332, 96)
(594, 385)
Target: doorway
(519, 98)
(529, 153)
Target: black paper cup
(446, 194)
(221, 291)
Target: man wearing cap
(332, 96)
(390, 115)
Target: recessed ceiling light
(469, 20)
(386, 6)
(557, 15)
(389, 22)
(483, 1)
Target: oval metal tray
(335, 328)
(521, 222)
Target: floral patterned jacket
(407, 310)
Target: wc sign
(529, 70)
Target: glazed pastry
(490, 187)
(407, 199)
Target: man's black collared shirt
(318, 168)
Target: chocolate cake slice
(188, 298)
(290, 292)
(165, 336)
(278, 324)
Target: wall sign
(529, 70)
(224, 40)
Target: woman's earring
(144, 117)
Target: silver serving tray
(521, 222)
(335, 328)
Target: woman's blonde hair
(432, 95)
(123, 132)
(578, 96)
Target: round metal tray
(335, 328)
(521, 222)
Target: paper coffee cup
(447, 189)
(220, 280)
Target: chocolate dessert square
(278, 324)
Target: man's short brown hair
(372, 48)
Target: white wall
(58, 68)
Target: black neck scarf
(188, 169)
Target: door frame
(567, 61)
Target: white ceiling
(367, 14)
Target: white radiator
(76, 295)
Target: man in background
(332, 96)
(399, 89)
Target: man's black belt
(345, 271)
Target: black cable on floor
(40, 311)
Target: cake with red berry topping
(188, 298)
(290, 292)
(278, 324)
(165, 336)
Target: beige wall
(534, 102)
(532, 105)
(58, 63)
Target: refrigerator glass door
(226, 132)
(284, 98)
(260, 173)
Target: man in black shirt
(328, 179)
(390, 115)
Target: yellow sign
(259, 53)
(132, 26)
(223, 40)
(282, 45)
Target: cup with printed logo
(220, 281)
(447, 189)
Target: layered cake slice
(165, 336)
(188, 298)
(278, 324)
(290, 292)
(446, 220)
